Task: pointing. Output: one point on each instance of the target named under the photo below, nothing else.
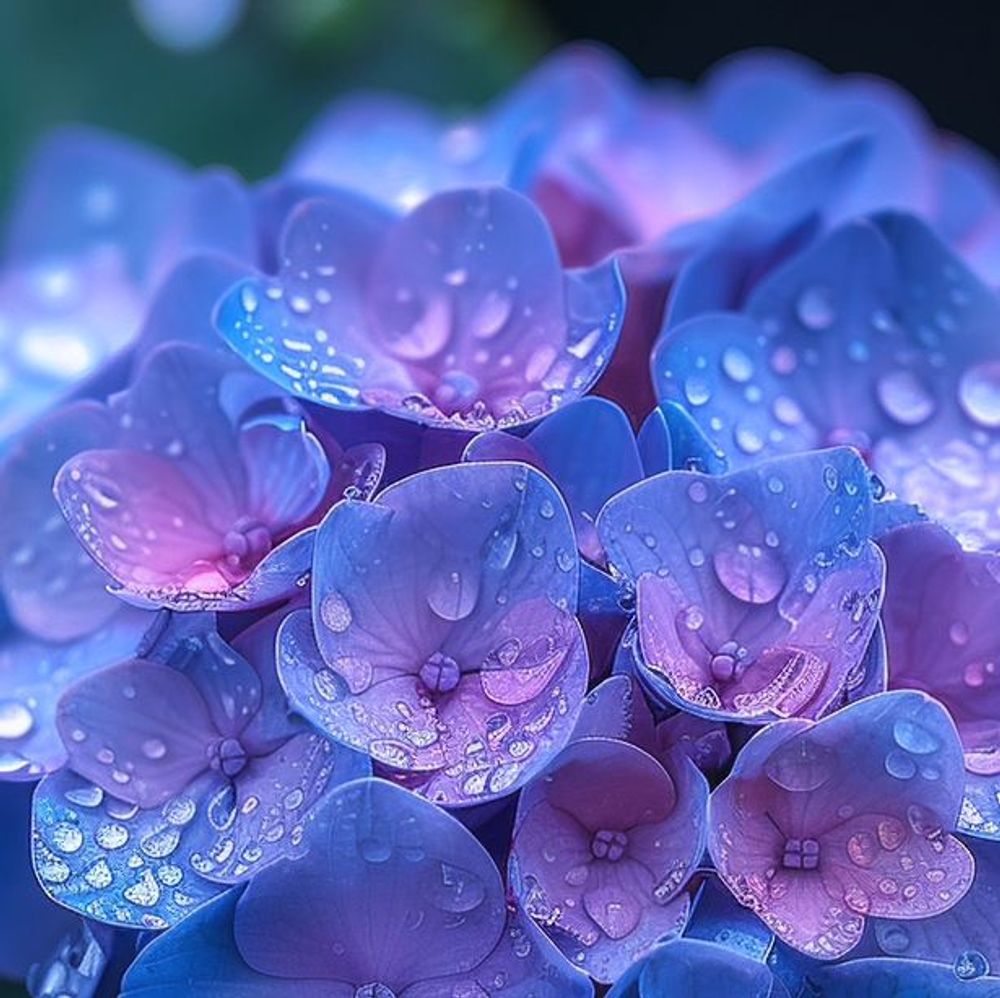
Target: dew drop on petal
(335, 612)
(979, 394)
(750, 573)
(154, 748)
(815, 309)
(904, 398)
(800, 765)
(15, 719)
(971, 965)
(899, 765)
(914, 737)
(737, 365)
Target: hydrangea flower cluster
(544, 554)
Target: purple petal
(491, 339)
(939, 620)
(119, 728)
(883, 781)
(601, 845)
(383, 864)
(757, 591)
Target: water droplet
(750, 573)
(154, 748)
(971, 965)
(452, 595)
(66, 837)
(815, 308)
(979, 394)
(914, 737)
(15, 719)
(491, 315)
(904, 398)
(335, 612)
(800, 765)
(737, 365)
(111, 836)
(893, 939)
(900, 765)
(748, 440)
(697, 390)
(697, 491)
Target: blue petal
(882, 978)
(113, 861)
(200, 956)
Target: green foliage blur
(244, 99)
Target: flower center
(725, 664)
(800, 854)
(440, 673)
(374, 990)
(609, 845)
(229, 757)
(244, 545)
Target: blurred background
(235, 81)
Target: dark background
(243, 100)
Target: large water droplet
(899, 765)
(750, 573)
(979, 394)
(914, 737)
(335, 612)
(15, 719)
(737, 364)
(971, 965)
(800, 765)
(452, 595)
(904, 398)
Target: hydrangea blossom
(458, 312)
(201, 483)
(395, 553)
(756, 592)
(820, 825)
(205, 781)
(443, 640)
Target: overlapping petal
(201, 492)
(442, 640)
(457, 314)
(587, 449)
(875, 336)
(822, 824)
(602, 845)
(757, 591)
(940, 608)
(184, 771)
(689, 968)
